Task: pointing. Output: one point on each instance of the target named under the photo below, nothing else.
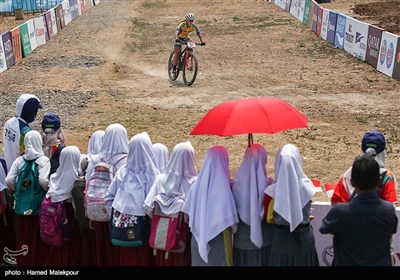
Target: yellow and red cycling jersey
(184, 30)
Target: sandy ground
(109, 66)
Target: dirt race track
(109, 65)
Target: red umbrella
(252, 115)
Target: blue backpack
(28, 194)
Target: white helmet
(189, 16)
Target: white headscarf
(115, 142)
(248, 188)
(62, 182)
(210, 204)
(161, 154)
(95, 142)
(172, 186)
(292, 189)
(137, 176)
(33, 145)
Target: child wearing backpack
(28, 180)
(167, 195)
(58, 228)
(114, 150)
(129, 225)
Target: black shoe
(174, 69)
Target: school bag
(78, 194)
(96, 190)
(28, 194)
(168, 232)
(55, 227)
(129, 230)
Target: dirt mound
(383, 14)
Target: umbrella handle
(250, 139)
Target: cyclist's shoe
(174, 70)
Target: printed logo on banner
(340, 31)
(389, 58)
(8, 45)
(359, 37)
(349, 36)
(383, 52)
(327, 255)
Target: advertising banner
(25, 40)
(8, 50)
(396, 67)
(330, 36)
(16, 43)
(40, 31)
(324, 23)
(32, 35)
(373, 45)
(306, 16)
(49, 25)
(3, 63)
(324, 242)
(387, 51)
(360, 39)
(340, 30)
(297, 9)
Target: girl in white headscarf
(128, 191)
(253, 238)
(212, 211)
(33, 151)
(27, 230)
(62, 182)
(94, 147)
(169, 191)
(161, 154)
(114, 150)
(60, 188)
(293, 243)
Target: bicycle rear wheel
(171, 75)
(190, 70)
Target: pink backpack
(168, 232)
(96, 190)
(55, 227)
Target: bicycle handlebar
(196, 43)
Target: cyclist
(182, 36)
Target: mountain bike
(187, 63)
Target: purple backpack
(55, 227)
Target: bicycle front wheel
(171, 75)
(190, 69)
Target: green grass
(362, 119)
